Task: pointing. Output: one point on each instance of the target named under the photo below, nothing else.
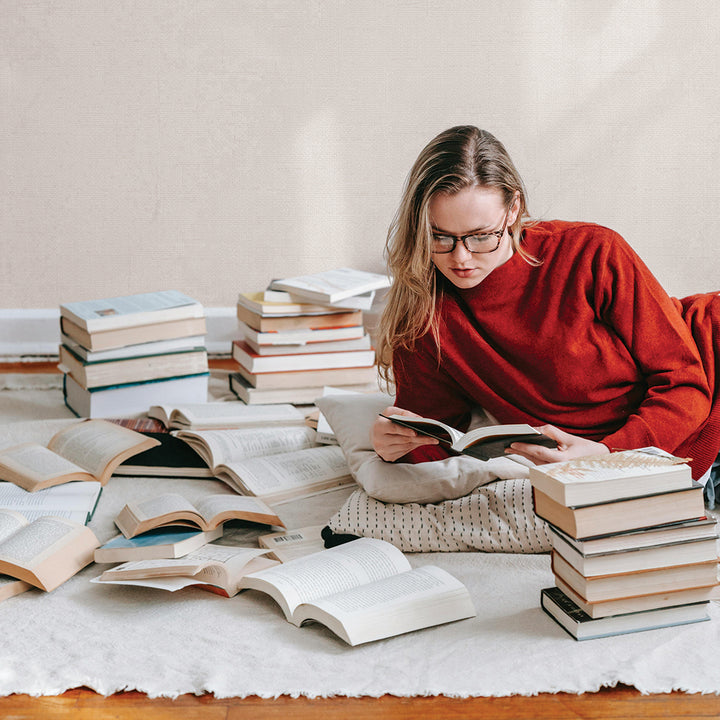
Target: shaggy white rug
(113, 638)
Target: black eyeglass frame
(463, 238)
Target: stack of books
(632, 546)
(305, 333)
(123, 354)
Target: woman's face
(472, 211)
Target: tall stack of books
(633, 548)
(120, 355)
(303, 334)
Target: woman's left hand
(568, 447)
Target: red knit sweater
(587, 341)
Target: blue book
(156, 544)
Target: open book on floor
(216, 415)
(363, 590)
(288, 475)
(217, 567)
(482, 443)
(219, 449)
(212, 511)
(45, 552)
(88, 450)
(73, 500)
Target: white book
(133, 398)
(130, 310)
(219, 447)
(216, 567)
(332, 286)
(361, 343)
(363, 301)
(217, 415)
(611, 476)
(301, 395)
(285, 476)
(300, 336)
(363, 591)
(72, 501)
(309, 360)
(159, 347)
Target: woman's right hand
(392, 441)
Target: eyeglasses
(485, 243)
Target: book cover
(128, 310)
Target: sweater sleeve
(423, 387)
(630, 300)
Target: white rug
(165, 644)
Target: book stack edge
(298, 337)
(120, 355)
(634, 551)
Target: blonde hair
(463, 156)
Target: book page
(193, 563)
(286, 471)
(337, 569)
(224, 446)
(37, 462)
(94, 444)
(412, 585)
(10, 522)
(211, 506)
(427, 426)
(31, 544)
(70, 496)
(160, 505)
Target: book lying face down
(482, 443)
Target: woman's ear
(514, 209)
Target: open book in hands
(482, 443)
(89, 450)
(172, 509)
(363, 590)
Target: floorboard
(620, 703)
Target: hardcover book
(583, 627)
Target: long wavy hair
(463, 156)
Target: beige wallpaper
(213, 145)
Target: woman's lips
(463, 272)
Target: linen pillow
(456, 504)
(351, 417)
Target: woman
(555, 324)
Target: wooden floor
(620, 703)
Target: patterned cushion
(497, 517)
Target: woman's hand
(391, 441)
(568, 447)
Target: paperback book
(363, 591)
(172, 510)
(482, 443)
(88, 451)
